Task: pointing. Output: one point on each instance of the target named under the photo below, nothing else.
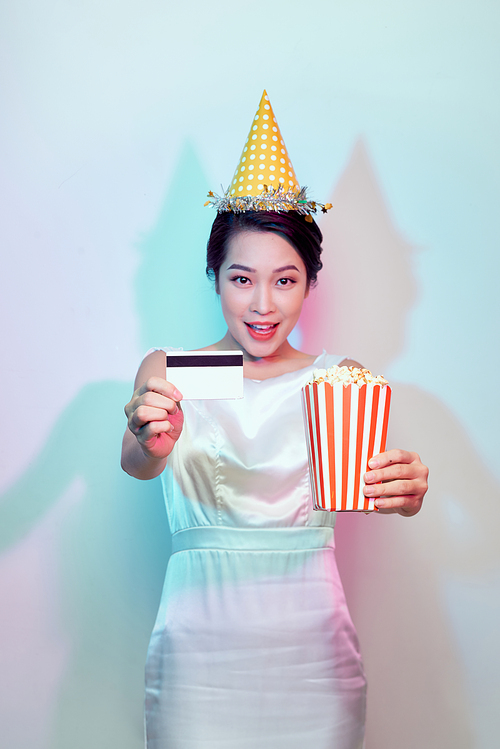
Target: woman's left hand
(404, 482)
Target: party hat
(264, 159)
(264, 179)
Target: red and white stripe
(345, 426)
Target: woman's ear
(217, 291)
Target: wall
(118, 117)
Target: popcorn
(346, 414)
(347, 376)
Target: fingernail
(369, 490)
(177, 395)
(373, 463)
(379, 503)
(368, 477)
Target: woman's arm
(397, 479)
(154, 418)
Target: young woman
(253, 647)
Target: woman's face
(262, 285)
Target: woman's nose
(262, 301)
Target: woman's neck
(283, 360)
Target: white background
(117, 119)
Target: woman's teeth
(262, 328)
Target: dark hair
(303, 235)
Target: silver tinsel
(271, 199)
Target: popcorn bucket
(345, 426)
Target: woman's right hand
(154, 420)
(154, 416)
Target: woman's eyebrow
(236, 266)
(286, 267)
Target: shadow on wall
(177, 305)
(395, 569)
(107, 548)
(94, 538)
(104, 557)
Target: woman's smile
(262, 331)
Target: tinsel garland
(271, 199)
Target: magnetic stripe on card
(208, 360)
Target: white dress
(253, 646)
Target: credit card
(206, 375)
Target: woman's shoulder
(165, 349)
(326, 360)
(152, 365)
(155, 357)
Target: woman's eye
(241, 280)
(286, 281)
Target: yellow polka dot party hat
(265, 179)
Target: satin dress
(253, 646)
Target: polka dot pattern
(264, 140)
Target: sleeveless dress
(253, 646)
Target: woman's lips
(262, 331)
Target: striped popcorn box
(345, 426)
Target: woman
(253, 647)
